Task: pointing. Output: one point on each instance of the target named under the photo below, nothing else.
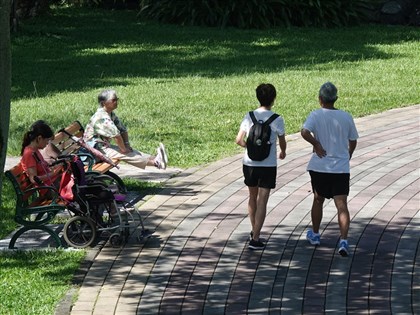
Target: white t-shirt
(277, 129)
(333, 128)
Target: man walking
(333, 135)
(260, 173)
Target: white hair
(328, 92)
(106, 95)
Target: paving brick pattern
(197, 261)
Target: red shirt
(28, 160)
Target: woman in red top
(32, 161)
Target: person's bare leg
(252, 205)
(343, 215)
(316, 211)
(151, 161)
(262, 199)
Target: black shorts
(264, 177)
(329, 185)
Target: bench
(64, 144)
(33, 211)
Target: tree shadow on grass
(75, 50)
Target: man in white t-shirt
(333, 135)
(260, 176)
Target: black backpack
(258, 142)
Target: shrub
(256, 13)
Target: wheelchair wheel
(79, 232)
(144, 235)
(116, 240)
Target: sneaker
(251, 236)
(343, 249)
(164, 153)
(257, 245)
(161, 157)
(313, 238)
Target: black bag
(258, 142)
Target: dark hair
(266, 94)
(38, 128)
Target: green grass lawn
(189, 87)
(33, 282)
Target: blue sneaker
(313, 238)
(343, 248)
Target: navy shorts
(329, 185)
(264, 177)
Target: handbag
(66, 185)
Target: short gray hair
(106, 95)
(328, 92)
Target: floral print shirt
(102, 127)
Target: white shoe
(164, 153)
(161, 157)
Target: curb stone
(64, 306)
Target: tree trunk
(5, 83)
(13, 17)
(30, 8)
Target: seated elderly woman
(104, 125)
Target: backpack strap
(267, 122)
(271, 119)
(251, 114)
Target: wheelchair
(98, 205)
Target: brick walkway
(197, 261)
